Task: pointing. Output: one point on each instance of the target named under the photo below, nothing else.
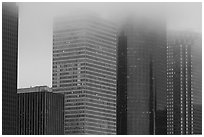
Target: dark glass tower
(184, 78)
(9, 67)
(122, 85)
(141, 102)
(40, 112)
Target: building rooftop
(34, 89)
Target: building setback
(40, 112)
(184, 78)
(84, 70)
(141, 83)
(9, 67)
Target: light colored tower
(84, 70)
(184, 77)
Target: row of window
(91, 116)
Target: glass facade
(40, 112)
(142, 54)
(184, 90)
(84, 70)
(122, 85)
(9, 67)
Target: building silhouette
(40, 112)
(141, 83)
(184, 78)
(9, 67)
(84, 70)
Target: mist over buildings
(36, 26)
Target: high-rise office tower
(141, 81)
(184, 78)
(84, 70)
(9, 67)
(40, 112)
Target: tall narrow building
(9, 67)
(40, 112)
(84, 70)
(141, 83)
(184, 88)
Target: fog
(35, 29)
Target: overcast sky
(35, 30)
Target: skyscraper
(84, 70)
(9, 67)
(141, 83)
(184, 78)
(40, 112)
